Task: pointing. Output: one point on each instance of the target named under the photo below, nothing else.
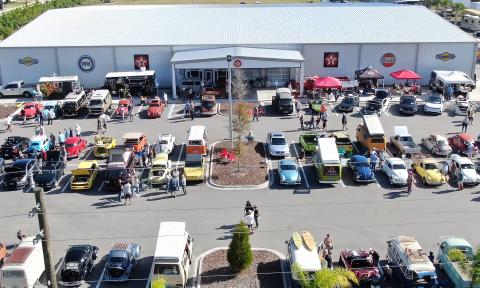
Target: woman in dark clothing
(248, 206)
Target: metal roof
(243, 52)
(327, 148)
(171, 241)
(165, 25)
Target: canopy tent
(327, 82)
(454, 77)
(368, 73)
(405, 74)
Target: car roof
(38, 138)
(287, 162)
(277, 135)
(465, 137)
(460, 159)
(358, 158)
(395, 160)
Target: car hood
(402, 174)
(346, 105)
(364, 172)
(445, 148)
(289, 175)
(433, 105)
(470, 175)
(434, 175)
(44, 178)
(153, 109)
(279, 147)
(193, 171)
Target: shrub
(159, 283)
(239, 254)
(455, 255)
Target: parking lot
(357, 216)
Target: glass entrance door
(208, 78)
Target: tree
(159, 283)
(326, 278)
(239, 254)
(458, 9)
(241, 112)
(444, 4)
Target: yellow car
(103, 144)
(161, 167)
(194, 168)
(84, 176)
(427, 169)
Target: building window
(194, 74)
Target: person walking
(381, 157)
(249, 220)
(298, 107)
(104, 118)
(387, 276)
(136, 186)
(51, 116)
(52, 141)
(183, 183)
(165, 99)
(130, 112)
(324, 119)
(248, 207)
(78, 130)
(344, 121)
(192, 111)
(151, 156)
(70, 132)
(9, 123)
(409, 183)
(312, 121)
(460, 178)
(127, 192)
(255, 113)
(167, 182)
(465, 124)
(301, 122)
(99, 126)
(256, 215)
(373, 161)
(470, 115)
(317, 121)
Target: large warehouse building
(189, 44)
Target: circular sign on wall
(86, 63)
(237, 63)
(388, 59)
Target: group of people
(174, 182)
(189, 110)
(468, 120)
(251, 216)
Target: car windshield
(29, 107)
(154, 105)
(96, 102)
(288, 167)
(208, 104)
(278, 141)
(310, 138)
(399, 166)
(374, 105)
(163, 141)
(348, 100)
(361, 263)
(435, 100)
(408, 101)
(115, 173)
(118, 259)
(73, 256)
(467, 166)
(342, 141)
(70, 145)
(430, 166)
(166, 269)
(285, 102)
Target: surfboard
(308, 239)
(297, 239)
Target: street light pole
(229, 59)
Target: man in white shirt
(165, 99)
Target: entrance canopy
(242, 57)
(405, 75)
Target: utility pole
(47, 252)
(229, 59)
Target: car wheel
(27, 94)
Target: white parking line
(301, 167)
(86, 116)
(170, 110)
(180, 154)
(378, 184)
(149, 271)
(138, 111)
(59, 266)
(343, 184)
(355, 146)
(66, 184)
(333, 109)
(101, 277)
(101, 186)
(113, 112)
(89, 153)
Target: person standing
(130, 111)
(248, 207)
(66, 133)
(445, 170)
(470, 115)
(317, 121)
(9, 123)
(40, 116)
(381, 157)
(328, 242)
(136, 186)
(328, 258)
(460, 177)
(373, 161)
(70, 132)
(192, 111)
(183, 183)
(78, 130)
(344, 121)
(99, 126)
(127, 192)
(325, 119)
(469, 150)
(255, 113)
(173, 186)
(256, 215)
(409, 183)
(298, 107)
(249, 220)
(301, 122)
(52, 141)
(465, 124)
(387, 276)
(165, 99)
(51, 116)
(312, 121)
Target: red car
(360, 263)
(155, 108)
(122, 108)
(459, 143)
(75, 146)
(31, 109)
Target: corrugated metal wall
(347, 63)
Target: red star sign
(330, 59)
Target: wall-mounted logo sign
(28, 61)
(445, 56)
(330, 59)
(86, 63)
(141, 61)
(237, 63)
(388, 59)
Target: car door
(10, 89)
(387, 168)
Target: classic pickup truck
(18, 88)
(308, 142)
(451, 267)
(403, 141)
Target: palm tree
(326, 278)
(458, 10)
(444, 4)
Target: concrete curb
(198, 264)
(15, 113)
(213, 185)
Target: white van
(24, 266)
(100, 102)
(308, 260)
(173, 254)
(326, 161)
(470, 22)
(197, 140)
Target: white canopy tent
(454, 77)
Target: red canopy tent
(405, 75)
(327, 82)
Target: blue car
(360, 166)
(39, 143)
(288, 172)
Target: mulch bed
(253, 168)
(224, 108)
(216, 271)
(6, 110)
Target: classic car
(135, 140)
(437, 145)
(13, 145)
(84, 176)
(408, 104)
(38, 143)
(165, 143)
(277, 144)
(75, 146)
(53, 169)
(459, 143)
(344, 144)
(31, 110)
(360, 166)
(433, 104)
(77, 264)
(103, 144)
(155, 108)
(3, 253)
(288, 173)
(461, 106)
(308, 142)
(396, 171)
(208, 105)
(17, 174)
(122, 108)
(161, 167)
(194, 168)
(348, 103)
(428, 170)
(374, 107)
(359, 262)
(317, 106)
(470, 176)
(403, 142)
(56, 106)
(121, 262)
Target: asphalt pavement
(357, 216)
